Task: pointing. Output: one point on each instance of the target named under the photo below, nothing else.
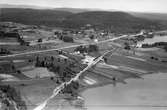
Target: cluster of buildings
(10, 33)
(87, 32)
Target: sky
(123, 5)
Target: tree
(91, 37)
(18, 72)
(105, 59)
(67, 39)
(4, 51)
(165, 48)
(22, 42)
(81, 49)
(127, 46)
(51, 78)
(39, 40)
(52, 58)
(93, 48)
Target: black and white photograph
(83, 54)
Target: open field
(136, 95)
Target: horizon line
(88, 9)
